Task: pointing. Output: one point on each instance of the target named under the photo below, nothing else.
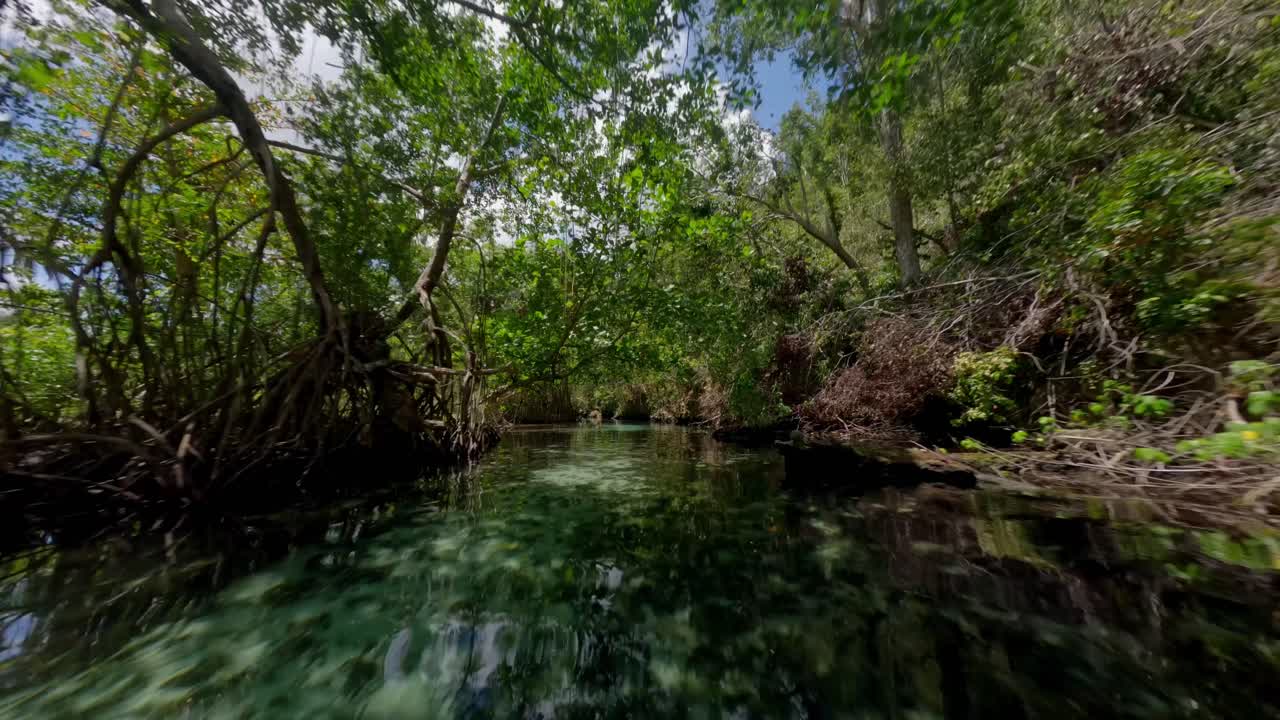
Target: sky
(781, 87)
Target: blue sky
(781, 86)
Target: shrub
(1253, 379)
(1146, 227)
(1250, 375)
(1151, 455)
(1238, 442)
(983, 381)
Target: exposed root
(318, 416)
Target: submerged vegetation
(686, 585)
(231, 271)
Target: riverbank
(78, 488)
(1207, 495)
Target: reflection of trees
(892, 630)
(1032, 602)
(80, 606)
(684, 585)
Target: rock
(828, 464)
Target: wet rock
(826, 464)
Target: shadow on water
(636, 572)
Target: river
(629, 571)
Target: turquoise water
(635, 572)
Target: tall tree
(867, 51)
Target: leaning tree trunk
(168, 25)
(900, 214)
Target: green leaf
(35, 75)
(1151, 455)
(1262, 402)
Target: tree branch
(130, 267)
(830, 239)
(430, 276)
(305, 150)
(490, 13)
(169, 26)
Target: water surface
(635, 572)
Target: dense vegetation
(995, 222)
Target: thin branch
(306, 150)
(430, 276)
(95, 158)
(490, 13)
(827, 237)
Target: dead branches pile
(900, 365)
(1162, 458)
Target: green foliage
(1118, 400)
(1116, 407)
(620, 235)
(1151, 455)
(1148, 406)
(1240, 441)
(1148, 225)
(1255, 380)
(983, 383)
(204, 289)
(38, 350)
(1251, 375)
(1262, 402)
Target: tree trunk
(900, 214)
(168, 26)
(430, 276)
(858, 273)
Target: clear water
(629, 572)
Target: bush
(1238, 442)
(1147, 227)
(983, 382)
(1254, 380)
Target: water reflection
(606, 572)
